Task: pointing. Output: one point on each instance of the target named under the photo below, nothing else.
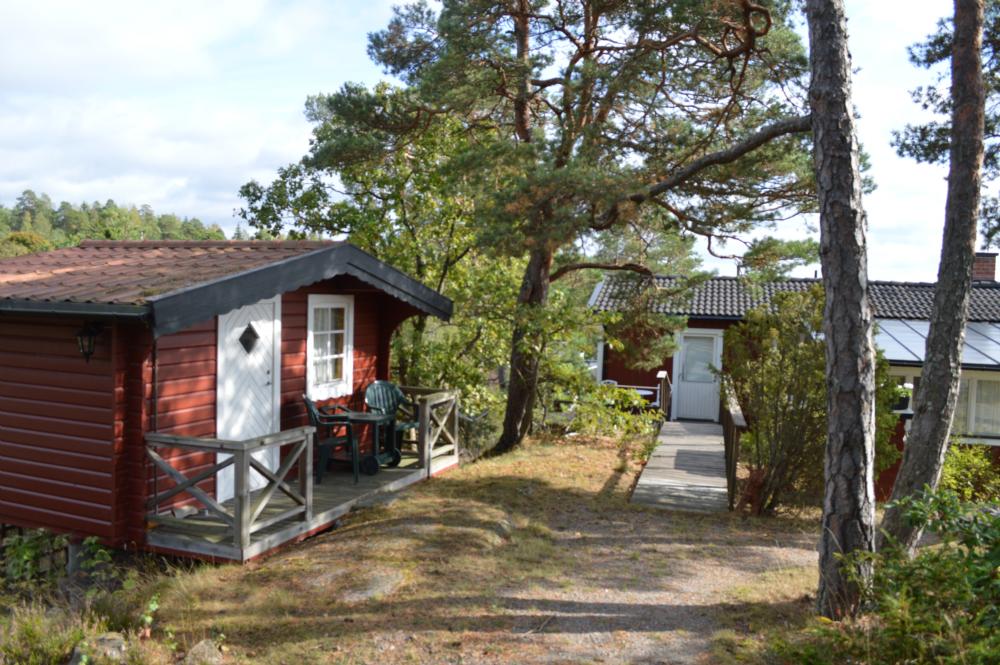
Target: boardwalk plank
(687, 470)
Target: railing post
(423, 433)
(241, 500)
(663, 393)
(306, 476)
(454, 422)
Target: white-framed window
(977, 413)
(330, 346)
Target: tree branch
(570, 267)
(797, 125)
(764, 135)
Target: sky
(177, 104)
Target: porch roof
(174, 284)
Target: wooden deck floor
(687, 470)
(332, 498)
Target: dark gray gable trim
(183, 308)
(66, 308)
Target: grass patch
(532, 556)
(766, 609)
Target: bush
(30, 558)
(941, 606)
(775, 366)
(969, 472)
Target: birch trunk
(937, 395)
(849, 496)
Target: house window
(330, 346)
(977, 412)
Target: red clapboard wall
(57, 428)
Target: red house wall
(58, 428)
(616, 368)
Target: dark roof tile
(731, 297)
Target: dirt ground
(534, 557)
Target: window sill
(329, 391)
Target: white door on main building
(696, 385)
(248, 373)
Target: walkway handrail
(664, 392)
(733, 426)
(248, 506)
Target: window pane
(699, 354)
(321, 318)
(321, 343)
(338, 318)
(338, 369)
(960, 425)
(338, 343)
(321, 370)
(987, 407)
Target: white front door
(696, 385)
(248, 373)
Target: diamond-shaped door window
(249, 338)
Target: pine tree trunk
(524, 355)
(849, 495)
(937, 395)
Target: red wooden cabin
(104, 344)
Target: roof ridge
(150, 244)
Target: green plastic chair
(385, 397)
(327, 443)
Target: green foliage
(28, 560)
(40, 635)
(969, 472)
(607, 409)
(775, 366)
(940, 606)
(34, 225)
(930, 142)
(20, 243)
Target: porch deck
(290, 505)
(337, 495)
(687, 470)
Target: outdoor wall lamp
(86, 339)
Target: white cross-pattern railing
(246, 515)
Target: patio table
(380, 423)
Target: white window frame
(973, 377)
(344, 386)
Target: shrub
(29, 558)
(775, 365)
(941, 606)
(969, 473)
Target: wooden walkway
(687, 470)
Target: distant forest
(34, 224)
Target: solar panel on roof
(898, 342)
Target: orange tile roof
(130, 272)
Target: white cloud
(175, 104)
